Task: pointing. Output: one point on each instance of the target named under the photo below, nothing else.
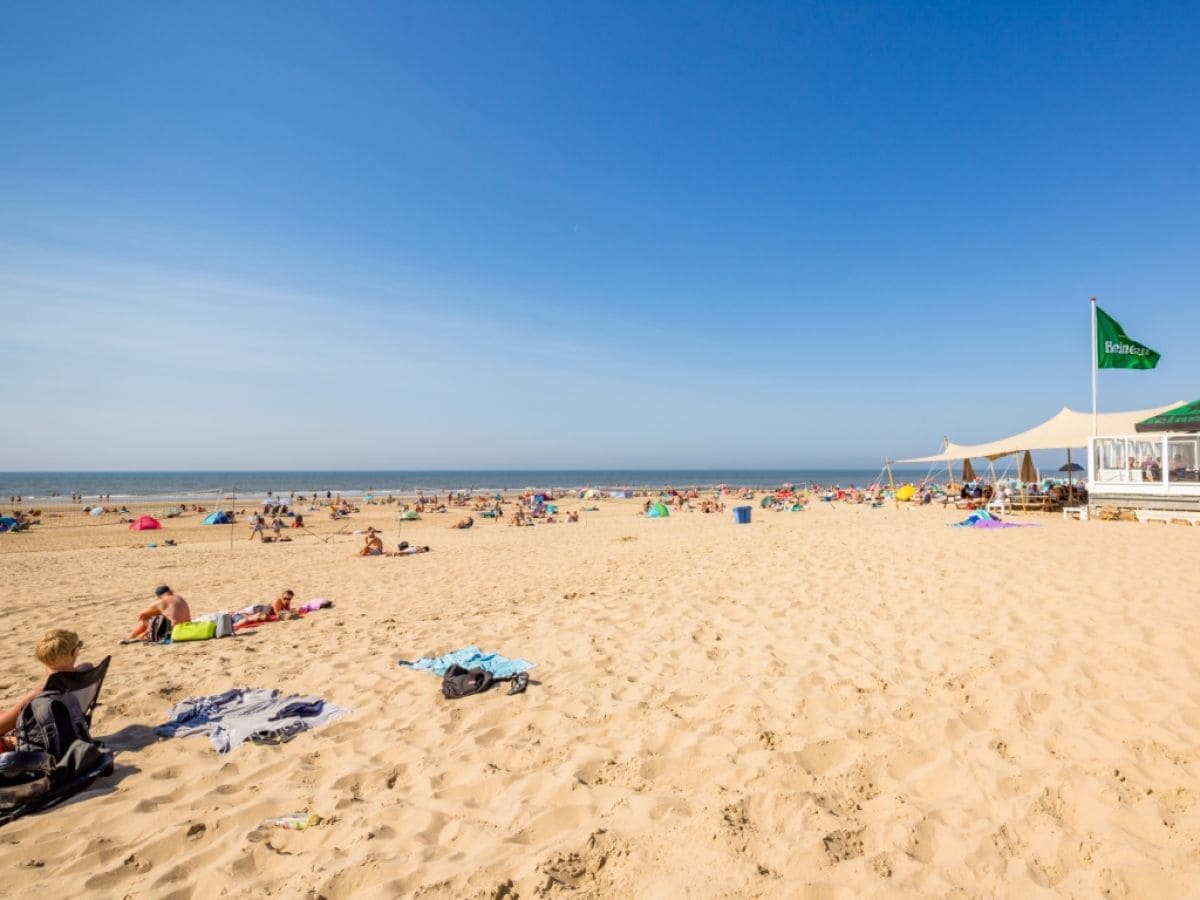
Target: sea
(198, 486)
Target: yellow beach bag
(194, 631)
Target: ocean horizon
(199, 484)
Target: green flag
(1115, 350)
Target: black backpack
(460, 682)
(158, 629)
(50, 723)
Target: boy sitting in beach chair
(57, 651)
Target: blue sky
(522, 235)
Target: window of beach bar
(1183, 454)
(1130, 461)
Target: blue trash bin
(741, 515)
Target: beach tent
(96, 511)
(1066, 429)
(217, 518)
(905, 493)
(589, 494)
(145, 523)
(409, 515)
(7, 524)
(1184, 418)
(657, 511)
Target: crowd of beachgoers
(268, 520)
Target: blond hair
(57, 647)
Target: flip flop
(520, 681)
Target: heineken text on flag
(1116, 350)
(1112, 348)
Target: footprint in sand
(843, 845)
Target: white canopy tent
(1065, 430)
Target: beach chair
(84, 685)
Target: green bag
(194, 631)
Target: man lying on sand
(168, 604)
(464, 523)
(280, 608)
(58, 651)
(407, 549)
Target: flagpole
(1095, 363)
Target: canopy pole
(1095, 364)
(949, 464)
(887, 464)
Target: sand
(842, 702)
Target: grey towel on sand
(248, 714)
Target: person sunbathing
(283, 602)
(407, 549)
(372, 546)
(167, 603)
(57, 651)
(464, 523)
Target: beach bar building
(1153, 465)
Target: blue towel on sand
(472, 658)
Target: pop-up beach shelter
(657, 511)
(217, 518)
(7, 523)
(96, 511)
(145, 523)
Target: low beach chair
(84, 685)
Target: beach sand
(842, 702)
